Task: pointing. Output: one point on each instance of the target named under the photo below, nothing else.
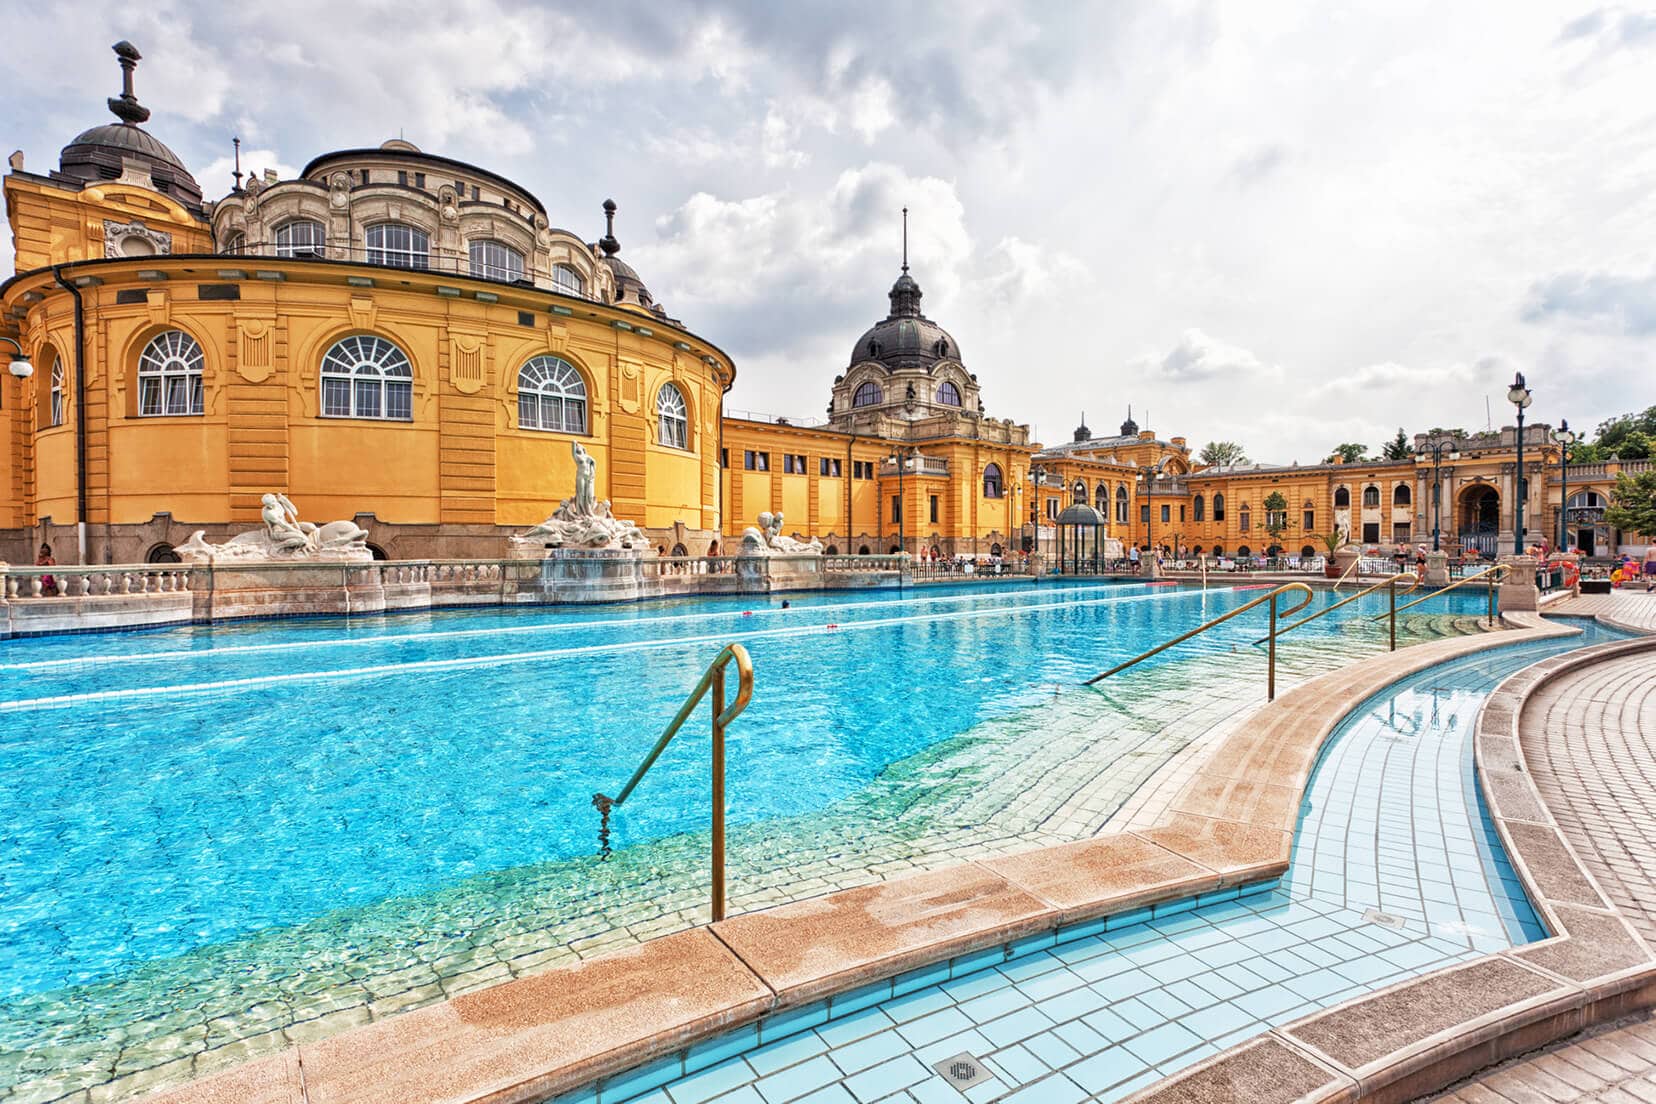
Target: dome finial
(1129, 428)
(905, 239)
(608, 243)
(126, 106)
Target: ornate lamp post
(900, 460)
(1435, 449)
(1565, 439)
(1519, 396)
(19, 366)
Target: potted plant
(1332, 543)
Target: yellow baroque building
(407, 340)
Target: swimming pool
(207, 817)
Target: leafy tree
(1583, 452)
(1399, 447)
(1276, 515)
(1351, 453)
(1222, 454)
(1633, 503)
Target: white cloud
(1604, 302)
(1198, 358)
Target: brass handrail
(713, 677)
(1492, 573)
(1344, 575)
(1270, 683)
(1389, 581)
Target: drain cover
(1385, 919)
(962, 1071)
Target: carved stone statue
(284, 537)
(767, 539)
(583, 521)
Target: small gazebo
(1081, 536)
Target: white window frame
(398, 245)
(568, 280)
(285, 239)
(552, 396)
(492, 259)
(867, 387)
(366, 377)
(57, 391)
(169, 376)
(672, 418)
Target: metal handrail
(1389, 581)
(1270, 683)
(1344, 575)
(714, 678)
(1491, 573)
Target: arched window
(399, 245)
(1198, 507)
(1342, 498)
(1101, 499)
(992, 481)
(1218, 551)
(1309, 518)
(57, 391)
(948, 394)
(1245, 518)
(868, 394)
(169, 375)
(1121, 504)
(235, 245)
(162, 553)
(863, 550)
(1307, 552)
(551, 395)
(1081, 491)
(680, 550)
(1218, 509)
(299, 238)
(567, 280)
(492, 260)
(673, 416)
(1371, 496)
(367, 377)
(1400, 496)
(1244, 552)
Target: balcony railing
(441, 261)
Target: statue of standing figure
(586, 479)
(583, 521)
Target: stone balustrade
(81, 582)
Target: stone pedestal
(1344, 558)
(283, 589)
(1518, 592)
(1437, 569)
(593, 575)
(1149, 568)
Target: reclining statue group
(581, 522)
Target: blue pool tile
(1172, 908)
(796, 1081)
(922, 978)
(1104, 1069)
(1082, 1038)
(1218, 897)
(833, 1094)
(864, 1053)
(1176, 969)
(585, 1095)
(1051, 1049)
(779, 1025)
(1070, 1005)
(1190, 993)
(1050, 984)
(1123, 985)
(1019, 1064)
(641, 1080)
(1137, 1013)
(1029, 966)
(1109, 1026)
(1014, 1028)
(855, 1000)
(1220, 1020)
(858, 1025)
(1029, 944)
(1056, 1089)
(710, 1082)
(932, 1091)
(1165, 1004)
(922, 1002)
(965, 988)
(1086, 929)
(967, 1042)
(962, 965)
(795, 1048)
(1127, 1088)
(937, 1025)
(743, 1095)
(1081, 950)
(715, 1050)
(1161, 1043)
(1126, 919)
(887, 1078)
(994, 1004)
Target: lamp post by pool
(1435, 449)
(901, 461)
(1565, 439)
(1519, 396)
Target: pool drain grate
(1385, 919)
(962, 1071)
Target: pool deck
(1229, 821)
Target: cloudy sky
(1289, 224)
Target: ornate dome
(96, 154)
(906, 337)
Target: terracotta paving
(1589, 738)
(1615, 1064)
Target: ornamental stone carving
(583, 521)
(148, 242)
(284, 537)
(767, 540)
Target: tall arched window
(551, 395)
(1198, 508)
(868, 394)
(492, 260)
(673, 416)
(169, 375)
(1121, 504)
(1309, 518)
(1080, 491)
(367, 377)
(1400, 496)
(567, 280)
(1218, 508)
(1245, 519)
(1101, 499)
(235, 245)
(299, 238)
(56, 409)
(1342, 498)
(399, 245)
(992, 481)
(1371, 496)
(948, 394)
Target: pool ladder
(712, 679)
(1388, 584)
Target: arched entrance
(1584, 523)
(1478, 518)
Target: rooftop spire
(126, 106)
(236, 142)
(905, 239)
(608, 243)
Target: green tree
(1222, 454)
(1399, 447)
(1276, 515)
(1633, 503)
(1351, 453)
(1629, 436)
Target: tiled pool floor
(1049, 775)
(1392, 822)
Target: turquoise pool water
(165, 791)
(1393, 823)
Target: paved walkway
(1629, 609)
(1614, 1065)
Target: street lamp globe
(1563, 434)
(21, 368)
(1519, 395)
